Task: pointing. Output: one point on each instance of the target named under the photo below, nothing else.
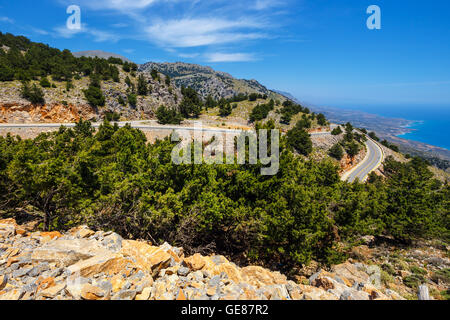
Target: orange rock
(249, 295)
(172, 270)
(3, 282)
(230, 270)
(181, 295)
(174, 256)
(53, 291)
(109, 263)
(259, 277)
(90, 292)
(117, 282)
(296, 294)
(196, 285)
(347, 282)
(13, 253)
(45, 284)
(21, 231)
(195, 262)
(81, 232)
(8, 221)
(52, 234)
(147, 257)
(11, 261)
(145, 295)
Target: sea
(429, 123)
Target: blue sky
(320, 51)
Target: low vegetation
(114, 180)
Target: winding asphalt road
(371, 162)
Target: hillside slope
(207, 81)
(69, 106)
(100, 54)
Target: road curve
(371, 162)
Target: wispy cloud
(203, 32)
(119, 25)
(118, 5)
(188, 55)
(98, 35)
(64, 32)
(229, 57)
(6, 19)
(40, 31)
(266, 4)
(219, 26)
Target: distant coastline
(410, 127)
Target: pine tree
(300, 140)
(225, 110)
(142, 88)
(336, 151)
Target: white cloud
(98, 35)
(188, 55)
(6, 19)
(266, 4)
(119, 25)
(64, 32)
(39, 31)
(119, 5)
(101, 36)
(202, 32)
(229, 57)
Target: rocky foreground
(83, 264)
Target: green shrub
(191, 105)
(34, 94)
(300, 140)
(321, 120)
(442, 275)
(253, 97)
(388, 268)
(45, 83)
(168, 116)
(417, 270)
(112, 116)
(94, 96)
(336, 152)
(142, 86)
(413, 280)
(261, 111)
(336, 131)
(225, 110)
(132, 99)
(121, 101)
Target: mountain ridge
(99, 54)
(208, 81)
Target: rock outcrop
(207, 81)
(89, 265)
(62, 106)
